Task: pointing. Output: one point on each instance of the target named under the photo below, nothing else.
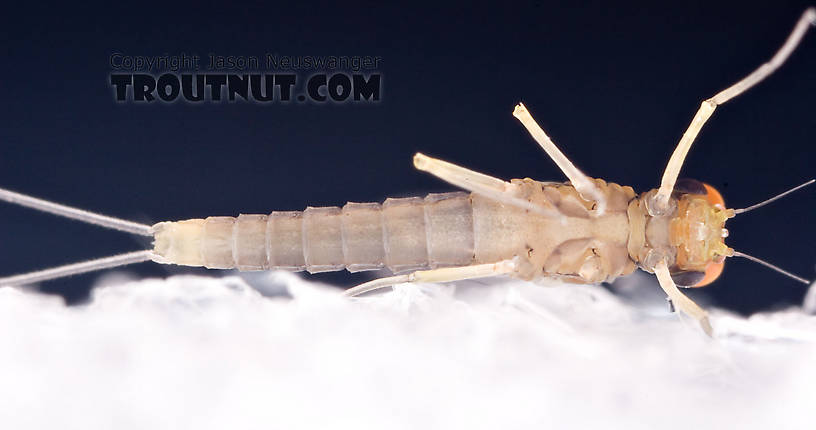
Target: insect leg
(479, 183)
(582, 183)
(678, 299)
(446, 274)
(660, 200)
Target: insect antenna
(771, 266)
(86, 217)
(776, 197)
(763, 262)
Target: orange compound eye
(712, 272)
(714, 197)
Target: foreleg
(659, 204)
(680, 301)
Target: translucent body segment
(284, 240)
(180, 242)
(404, 227)
(438, 231)
(216, 243)
(362, 232)
(449, 229)
(498, 229)
(250, 242)
(322, 239)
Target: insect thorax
(582, 245)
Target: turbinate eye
(690, 186)
(695, 279)
(713, 271)
(687, 278)
(693, 186)
(714, 197)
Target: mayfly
(583, 231)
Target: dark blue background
(614, 84)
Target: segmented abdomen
(453, 229)
(401, 234)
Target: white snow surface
(210, 353)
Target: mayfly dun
(582, 231)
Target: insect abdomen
(401, 234)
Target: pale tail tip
(810, 15)
(420, 160)
(519, 110)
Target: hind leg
(447, 274)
